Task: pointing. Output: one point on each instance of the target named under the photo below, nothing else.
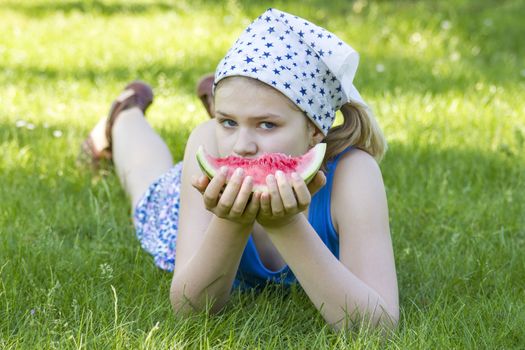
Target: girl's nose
(245, 145)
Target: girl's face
(253, 119)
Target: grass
(446, 79)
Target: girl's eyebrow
(257, 118)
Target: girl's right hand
(236, 203)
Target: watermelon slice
(258, 168)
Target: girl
(276, 90)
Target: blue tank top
(253, 274)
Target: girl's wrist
(244, 228)
(282, 226)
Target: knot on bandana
(307, 63)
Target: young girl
(276, 90)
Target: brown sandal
(136, 94)
(204, 88)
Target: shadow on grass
(405, 73)
(41, 9)
(88, 6)
(182, 77)
(495, 26)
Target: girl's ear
(315, 135)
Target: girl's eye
(268, 125)
(228, 123)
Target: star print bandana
(307, 63)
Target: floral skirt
(156, 218)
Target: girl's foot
(98, 144)
(204, 88)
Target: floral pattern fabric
(156, 218)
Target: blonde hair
(359, 129)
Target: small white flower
(380, 68)
(30, 126)
(106, 271)
(20, 123)
(57, 133)
(446, 25)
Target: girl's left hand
(283, 201)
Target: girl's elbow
(185, 304)
(181, 304)
(394, 317)
(182, 299)
(385, 320)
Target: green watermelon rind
(309, 173)
(203, 163)
(306, 174)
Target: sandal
(204, 91)
(136, 94)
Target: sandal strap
(136, 94)
(204, 92)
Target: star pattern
(297, 58)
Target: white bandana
(307, 63)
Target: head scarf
(308, 64)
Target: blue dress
(156, 220)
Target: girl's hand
(236, 203)
(284, 201)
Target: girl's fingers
(266, 209)
(239, 205)
(195, 182)
(253, 206)
(212, 192)
(200, 182)
(317, 183)
(230, 192)
(275, 197)
(286, 192)
(301, 191)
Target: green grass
(446, 79)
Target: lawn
(446, 80)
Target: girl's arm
(209, 273)
(361, 285)
(208, 248)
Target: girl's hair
(359, 129)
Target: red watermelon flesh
(259, 168)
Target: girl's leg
(140, 155)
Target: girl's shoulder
(206, 128)
(355, 157)
(203, 134)
(357, 179)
